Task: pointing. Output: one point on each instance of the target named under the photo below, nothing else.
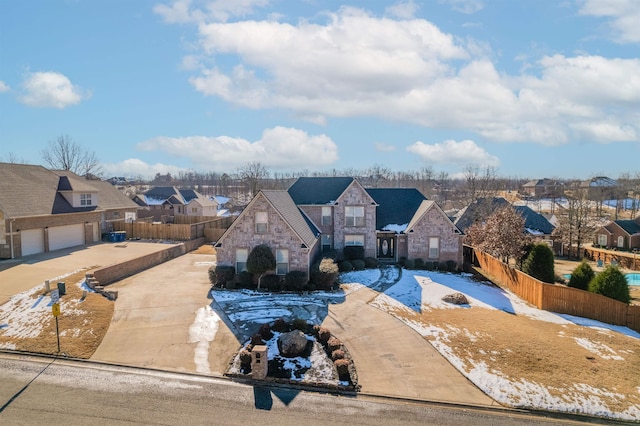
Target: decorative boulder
(456, 299)
(292, 344)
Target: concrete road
(42, 391)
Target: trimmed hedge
(353, 252)
(358, 264)
(345, 266)
(246, 280)
(324, 274)
(410, 264)
(370, 262)
(295, 280)
(271, 282)
(221, 274)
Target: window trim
(328, 221)
(238, 263)
(602, 239)
(279, 264)
(86, 200)
(353, 236)
(261, 221)
(620, 240)
(355, 217)
(435, 247)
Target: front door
(386, 247)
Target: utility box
(259, 362)
(62, 288)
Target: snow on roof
(395, 227)
(154, 201)
(222, 199)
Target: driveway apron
(392, 359)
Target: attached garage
(32, 241)
(66, 236)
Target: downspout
(11, 236)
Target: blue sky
(534, 88)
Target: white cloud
(624, 17)
(134, 168)
(51, 90)
(355, 64)
(383, 147)
(279, 148)
(183, 11)
(4, 87)
(465, 6)
(452, 152)
(403, 10)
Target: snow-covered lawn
(517, 354)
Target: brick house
(324, 213)
(623, 234)
(43, 210)
(543, 188)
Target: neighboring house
(327, 213)
(478, 211)
(624, 234)
(43, 210)
(601, 188)
(174, 201)
(543, 188)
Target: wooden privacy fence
(621, 258)
(173, 231)
(557, 298)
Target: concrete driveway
(18, 275)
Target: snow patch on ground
(203, 332)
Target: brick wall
(278, 236)
(435, 224)
(355, 196)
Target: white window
(241, 260)
(354, 215)
(434, 244)
(602, 240)
(262, 222)
(354, 240)
(85, 200)
(282, 261)
(326, 216)
(620, 241)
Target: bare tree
(578, 223)
(63, 153)
(252, 175)
(502, 235)
(480, 183)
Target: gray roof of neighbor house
(162, 194)
(482, 208)
(629, 226)
(396, 207)
(31, 190)
(318, 190)
(534, 221)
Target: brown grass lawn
(548, 354)
(82, 324)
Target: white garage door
(66, 236)
(32, 241)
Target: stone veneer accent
(279, 235)
(435, 224)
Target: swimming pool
(632, 279)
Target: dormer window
(85, 200)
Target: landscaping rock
(292, 344)
(456, 299)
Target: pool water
(632, 279)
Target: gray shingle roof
(318, 190)
(630, 226)
(31, 190)
(396, 206)
(301, 225)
